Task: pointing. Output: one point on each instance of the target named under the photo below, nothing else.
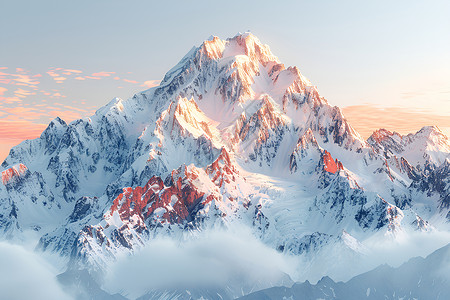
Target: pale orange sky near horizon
(364, 118)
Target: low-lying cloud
(341, 263)
(214, 259)
(396, 252)
(24, 275)
(229, 258)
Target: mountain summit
(230, 136)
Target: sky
(385, 63)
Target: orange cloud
(5, 81)
(2, 90)
(20, 113)
(42, 111)
(151, 83)
(71, 107)
(23, 93)
(103, 74)
(59, 79)
(92, 77)
(9, 100)
(71, 71)
(20, 129)
(20, 70)
(18, 79)
(80, 78)
(368, 118)
(58, 95)
(14, 132)
(26, 79)
(130, 81)
(53, 74)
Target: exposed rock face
(229, 136)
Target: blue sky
(376, 54)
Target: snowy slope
(231, 136)
(425, 149)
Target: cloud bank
(214, 259)
(24, 275)
(219, 258)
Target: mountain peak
(429, 130)
(245, 44)
(383, 134)
(230, 135)
(430, 140)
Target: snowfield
(231, 138)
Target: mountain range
(230, 137)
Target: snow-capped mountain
(419, 278)
(424, 150)
(229, 136)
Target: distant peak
(382, 134)
(427, 130)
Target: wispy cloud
(93, 77)
(52, 74)
(103, 74)
(23, 93)
(18, 79)
(20, 130)
(27, 99)
(20, 70)
(71, 71)
(24, 275)
(368, 118)
(20, 113)
(10, 100)
(130, 81)
(59, 79)
(58, 95)
(151, 83)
